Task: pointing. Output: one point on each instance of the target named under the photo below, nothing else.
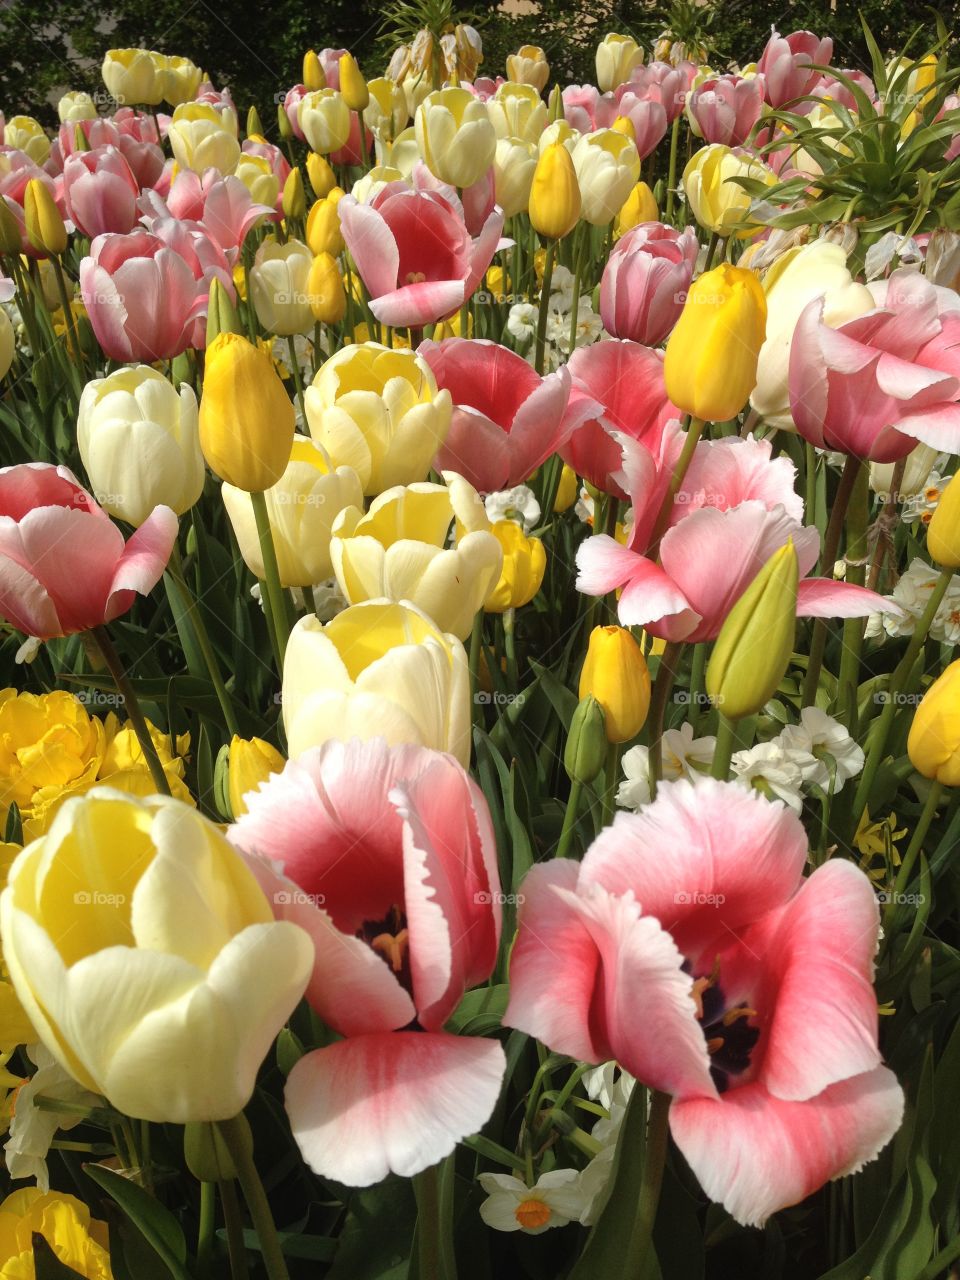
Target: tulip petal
(143, 561)
(415, 305)
(391, 1103)
(755, 1154)
(827, 598)
(24, 602)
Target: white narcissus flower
(519, 504)
(771, 770)
(522, 322)
(818, 735)
(912, 593)
(922, 505)
(634, 791)
(682, 756)
(32, 1128)
(593, 1183)
(555, 1199)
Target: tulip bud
(254, 127)
(294, 199)
(45, 229)
(246, 416)
(321, 175)
(710, 366)
(313, 73)
(555, 104)
(934, 741)
(639, 206)
(323, 227)
(566, 490)
(9, 230)
(756, 640)
(524, 563)
(554, 206)
(284, 126)
(615, 673)
(943, 531)
(328, 300)
(206, 1154)
(352, 84)
(250, 762)
(587, 745)
(221, 313)
(80, 140)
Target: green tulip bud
(221, 313)
(206, 1153)
(253, 123)
(587, 745)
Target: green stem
(236, 1136)
(236, 1249)
(132, 705)
(476, 646)
(654, 1159)
(207, 1230)
(276, 601)
(831, 544)
(711, 251)
(913, 851)
(944, 1258)
(697, 685)
(610, 770)
(810, 483)
(581, 240)
(297, 376)
(202, 637)
(858, 516)
(432, 1254)
(544, 306)
(509, 645)
(662, 687)
(897, 680)
(569, 819)
(694, 432)
(672, 170)
(723, 752)
(68, 321)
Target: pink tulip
(626, 380)
(726, 108)
(507, 420)
(64, 566)
(836, 91)
(648, 117)
(291, 105)
(223, 206)
(474, 206)
(134, 134)
(483, 87)
(645, 282)
(414, 253)
(585, 108)
(877, 384)
(688, 946)
(330, 62)
(785, 65)
(100, 191)
(141, 296)
(390, 865)
(734, 515)
(669, 84)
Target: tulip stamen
(415, 277)
(393, 948)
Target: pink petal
(826, 598)
(371, 244)
(24, 603)
(397, 1102)
(476, 449)
(144, 559)
(415, 305)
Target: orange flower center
(532, 1214)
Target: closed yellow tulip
(328, 299)
(934, 741)
(250, 762)
(352, 84)
(615, 673)
(717, 202)
(246, 416)
(710, 367)
(323, 227)
(313, 74)
(555, 201)
(943, 531)
(45, 229)
(321, 175)
(639, 206)
(524, 564)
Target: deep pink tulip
(64, 566)
(726, 108)
(507, 420)
(475, 203)
(688, 946)
(390, 865)
(724, 528)
(100, 191)
(626, 380)
(414, 253)
(649, 119)
(785, 65)
(586, 109)
(879, 383)
(645, 282)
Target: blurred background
(49, 46)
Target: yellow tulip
(321, 175)
(378, 669)
(380, 412)
(325, 120)
(201, 137)
(132, 77)
(294, 199)
(514, 165)
(179, 78)
(352, 84)
(567, 490)
(313, 74)
(45, 229)
(933, 744)
(517, 111)
(456, 137)
(710, 367)
(323, 227)
(398, 551)
(617, 57)
(78, 1241)
(246, 416)
(27, 135)
(259, 179)
(250, 762)
(328, 299)
(753, 649)
(529, 65)
(386, 114)
(615, 673)
(524, 564)
(718, 203)
(639, 206)
(608, 166)
(555, 200)
(943, 531)
(77, 106)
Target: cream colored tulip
(377, 670)
(514, 165)
(455, 136)
(380, 412)
(200, 141)
(132, 77)
(517, 111)
(386, 114)
(617, 58)
(373, 181)
(608, 168)
(529, 66)
(325, 120)
(147, 957)
(279, 287)
(303, 506)
(558, 131)
(139, 443)
(26, 134)
(398, 551)
(919, 463)
(74, 107)
(179, 78)
(259, 179)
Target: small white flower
(818, 735)
(912, 593)
(594, 1181)
(584, 509)
(554, 1200)
(685, 756)
(634, 791)
(921, 505)
(31, 1129)
(561, 288)
(28, 650)
(522, 322)
(609, 1085)
(518, 504)
(771, 770)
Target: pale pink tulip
(64, 566)
(669, 84)
(223, 206)
(330, 62)
(645, 282)
(390, 865)
(877, 384)
(836, 91)
(291, 105)
(100, 191)
(689, 947)
(648, 117)
(414, 253)
(507, 420)
(586, 109)
(726, 108)
(785, 65)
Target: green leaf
(156, 1224)
(48, 1266)
(376, 1237)
(480, 1012)
(295, 1244)
(903, 1238)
